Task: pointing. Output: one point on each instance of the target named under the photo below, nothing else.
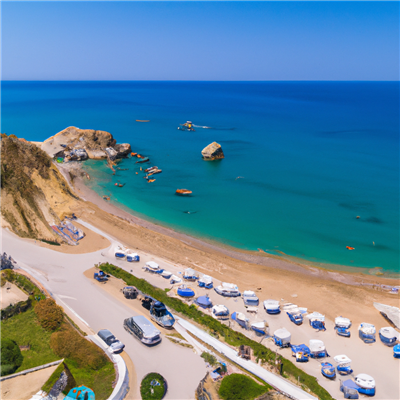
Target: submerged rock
(212, 152)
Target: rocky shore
(74, 144)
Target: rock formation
(93, 142)
(34, 194)
(212, 152)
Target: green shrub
(146, 388)
(240, 387)
(209, 358)
(49, 314)
(23, 282)
(14, 309)
(67, 343)
(231, 336)
(11, 356)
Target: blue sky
(200, 40)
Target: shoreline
(343, 274)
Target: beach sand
(332, 293)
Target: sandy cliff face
(34, 194)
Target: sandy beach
(333, 293)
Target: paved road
(63, 275)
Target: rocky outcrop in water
(93, 142)
(212, 152)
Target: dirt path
(25, 386)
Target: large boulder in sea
(212, 152)
(122, 149)
(93, 141)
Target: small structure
(282, 337)
(328, 370)
(260, 328)
(205, 281)
(203, 302)
(367, 332)
(317, 349)
(185, 291)
(272, 306)
(250, 298)
(392, 314)
(130, 292)
(227, 290)
(245, 352)
(241, 319)
(301, 352)
(366, 384)
(153, 267)
(343, 364)
(349, 389)
(388, 336)
(100, 276)
(6, 262)
(220, 312)
(317, 321)
(190, 275)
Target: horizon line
(194, 80)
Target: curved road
(62, 275)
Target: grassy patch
(209, 358)
(53, 378)
(240, 387)
(217, 329)
(146, 389)
(50, 242)
(26, 330)
(100, 381)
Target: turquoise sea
(311, 157)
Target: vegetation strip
(231, 337)
(46, 336)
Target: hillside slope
(34, 194)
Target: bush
(23, 282)
(11, 356)
(49, 314)
(158, 391)
(14, 309)
(209, 358)
(67, 343)
(240, 387)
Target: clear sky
(200, 40)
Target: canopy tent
(389, 312)
(316, 316)
(342, 322)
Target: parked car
(110, 340)
(143, 329)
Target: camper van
(143, 329)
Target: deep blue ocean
(311, 157)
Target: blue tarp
(203, 301)
(350, 384)
(78, 393)
(301, 347)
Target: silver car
(115, 345)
